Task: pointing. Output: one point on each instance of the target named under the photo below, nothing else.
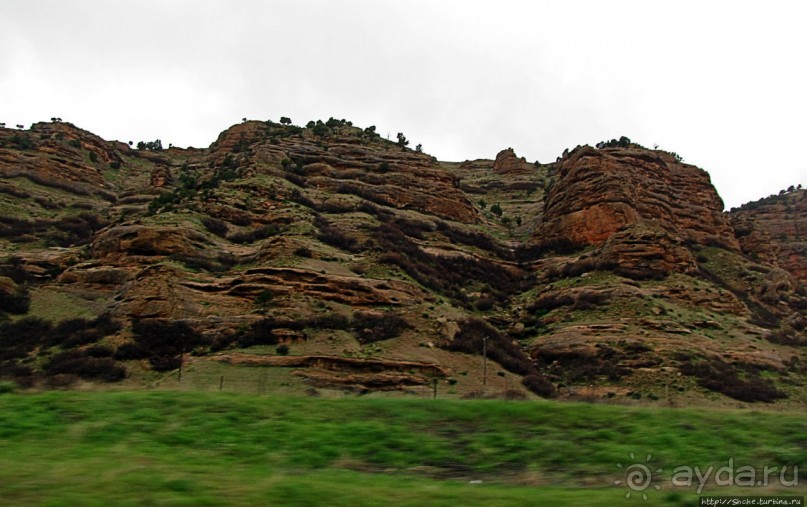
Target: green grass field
(191, 448)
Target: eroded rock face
(160, 177)
(155, 292)
(775, 229)
(508, 163)
(754, 240)
(147, 240)
(59, 155)
(599, 192)
(352, 164)
(642, 252)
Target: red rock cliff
(600, 191)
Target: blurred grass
(191, 448)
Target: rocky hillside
(774, 230)
(327, 257)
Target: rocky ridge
(614, 268)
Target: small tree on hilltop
(402, 141)
(320, 129)
(155, 145)
(285, 120)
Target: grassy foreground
(172, 448)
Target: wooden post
(221, 383)
(434, 384)
(484, 360)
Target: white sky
(720, 82)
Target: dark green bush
(81, 364)
(373, 327)
(19, 338)
(253, 235)
(741, 382)
(447, 275)
(16, 301)
(498, 345)
(215, 226)
(22, 142)
(540, 385)
(163, 340)
(576, 367)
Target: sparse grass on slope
(167, 448)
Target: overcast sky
(721, 83)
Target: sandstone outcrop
(774, 229)
(508, 163)
(599, 191)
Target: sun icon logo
(638, 476)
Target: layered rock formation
(508, 163)
(600, 191)
(614, 268)
(774, 230)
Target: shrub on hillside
(19, 338)
(787, 336)
(259, 333)
(253, 235)
(485, 302)
(73, 362)
(716, 375)
(15, 300)
(372, 327)
(576, 367)
(163, 341)
(295, 178)
(14, 267)
(444, 274)
(540, 385)
(499, 347)
(75, 229)
(471, 238)
(327, 321)
(76, 332)
(215, 226)
(332, 236)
